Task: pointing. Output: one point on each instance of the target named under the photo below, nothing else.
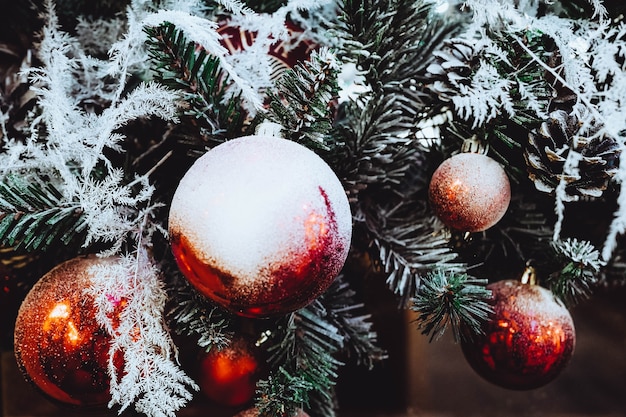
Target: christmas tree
(229, 178)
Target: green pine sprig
(408, 243)
(302, 100)
(351, 321)
(192, 314)
(579, 274)
(301, 354)
(181, 65)
(392, 41)
(34, 216)
(448, 299)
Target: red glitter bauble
(228, 376)
(469, 192)
(260, 225)
(59, 345)
(528, 340)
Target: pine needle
(451, 299)
(581, 264)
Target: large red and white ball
(470, 192)
(59, 345)
(261, 225)
(527, 342)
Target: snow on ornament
(527, 341)
(261, 225)
(469, 192)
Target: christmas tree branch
(301, 355)
(410, 244)
(581, 264)
(191, 314)
(451, 299)
(301, 101)
(184, 66)
(343, 312)
(35, 217)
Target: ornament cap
(529, 276)
(475, 145)
(267, 128)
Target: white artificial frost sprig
(487, 94)
(130, 301)
(76, 138)
(591, 65)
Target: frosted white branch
(130, 302)
(485, 97)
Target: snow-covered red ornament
(469, 192)
(261, 225)
(59, 345)
(528, 340)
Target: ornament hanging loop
(475, 145)
(530, 275)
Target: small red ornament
(260, 225)
(469, 192)
(228, 376)
(528, 340)
(59, 345)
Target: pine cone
(549, 146)
(452, 67)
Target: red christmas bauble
(528, 340)
(260, 225)
(469, 192)
(59, 345)
(228, 376)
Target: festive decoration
(548, 149)
(228, 376)
(469, 192)
(59, 345)
(102, 112)
(253, 412)
(284, 54)
(527, 341)
(261, 225)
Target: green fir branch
(34, 217)
(451, 299)
(192, 314)
(347, 315)
(393, 41)
(282, 394)
(377, 149)
(409, 244)
(182, 65)
(302, 100)
(301, 353)
(579, 274)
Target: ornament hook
(475, 145)
(530, 275)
